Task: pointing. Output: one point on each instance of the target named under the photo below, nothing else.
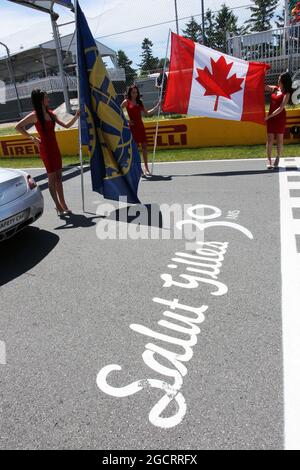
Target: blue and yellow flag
(114, 156)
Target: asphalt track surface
(68, 300)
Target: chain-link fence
(132, 37)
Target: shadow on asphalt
(140, 214)
(65, 177)
(238, 173)
(78, 220)
(220, 173)
(24, 251)
(43, 176)
(158, 178)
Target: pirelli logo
(168, 136)
(18, 148)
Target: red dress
(49, 150)
(276, 125)
(137, 128)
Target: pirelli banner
(173, 134)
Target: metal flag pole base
(81, 174)
(160, 102)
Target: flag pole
(160, 102)
(79, 126)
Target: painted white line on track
(183, 162)
(212, 161)
(23, 169)
(290, 271)
(64, 168)
(187, 161)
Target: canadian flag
(205, 82)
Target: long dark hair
(37, 99)
(138, 98)
(286, 81)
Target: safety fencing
(279, 47)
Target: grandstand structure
(37, 67)
(280, 48)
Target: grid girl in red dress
(44, 120)
(276, 119)
(135, 107)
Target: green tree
(210, 29)
(225, 22)
(193, 30)
(161, 63)
(292, 4)
(262, 13)
(148, 62)
(125, 63)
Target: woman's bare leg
(60, 191)
(270, 142)
(279, 149)
(52, 188)
(145, 156)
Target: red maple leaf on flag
(217, 83)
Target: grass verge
(7, 131)
(209, 153)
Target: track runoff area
(146, 343)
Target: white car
(21, 202)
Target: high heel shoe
(59, 213)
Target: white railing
(53, 84)
(279, 47)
